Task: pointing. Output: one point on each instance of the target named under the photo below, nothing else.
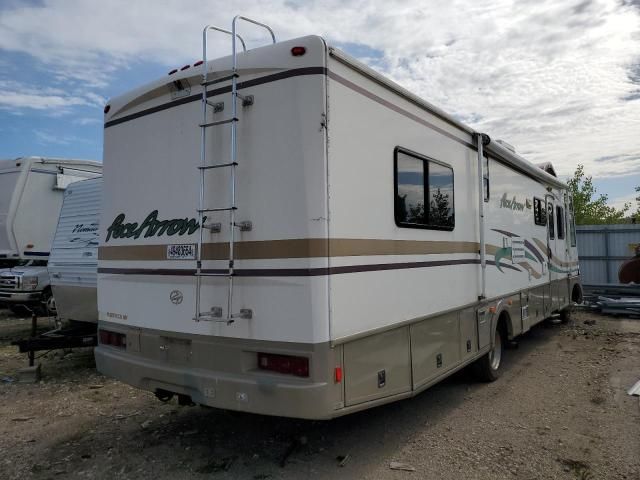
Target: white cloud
(47, 138)
(558, 80)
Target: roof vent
(506, 145)
(547, 167)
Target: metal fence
(603, 248)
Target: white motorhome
(73, 262)
(31, 190)
(287, 232)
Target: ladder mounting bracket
(244, 226)
(247, 100)
(214, 227)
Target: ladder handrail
(205, 32)
(233, 34)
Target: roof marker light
(173, 71)
(185, 67)
(107, 108)
(198, 63)
(298, 51)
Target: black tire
(565, 315)
(487, 368)
(47, 304)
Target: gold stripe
(295, 248)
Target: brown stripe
(300, 272)
(295, 248)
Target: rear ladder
(215, 313)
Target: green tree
(589, 208)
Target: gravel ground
(560, 410)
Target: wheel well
(576, 293)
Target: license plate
(181, 252)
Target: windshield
(22, 263)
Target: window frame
(543, 211)
(560, 222)
(425, 159)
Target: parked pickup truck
(27, 285)
(31, 196)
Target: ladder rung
(219, 80)
(201, 274)
(218, 165)
(221, 122)
(223, 209)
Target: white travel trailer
(73, 262)
(31, 191)
(357, 245)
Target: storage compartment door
(377, 366)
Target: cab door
(553, 300)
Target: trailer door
(553, 256)
(551, 294)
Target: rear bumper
(9, 296)
(209, 378)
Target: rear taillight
(113, 338)
(287, 364)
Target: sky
(559, 80)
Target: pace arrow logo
(151, 226)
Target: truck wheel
(487, 368)
(565, 315)
(48, 304)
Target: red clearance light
(173, 71)
(107, 108)
(112, 338)
(287, 364)
(198, 63)
(298, 51)
(338, 374)
(185, 67)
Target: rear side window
(539, 214)
(560, 216)
(552, 231)
(423, 192)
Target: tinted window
(552, 231)
(539, 215)
(424, 192)
(560, 216)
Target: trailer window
(539, 215)
(551, 223)
(423, 192)
(485, 179)
(560, 216)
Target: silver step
(220, 122)
(218, 165)
(219, 80)
(222, 209)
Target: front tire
(487, 368)
(48, 304)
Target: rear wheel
(487, 368)
(565, 315)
